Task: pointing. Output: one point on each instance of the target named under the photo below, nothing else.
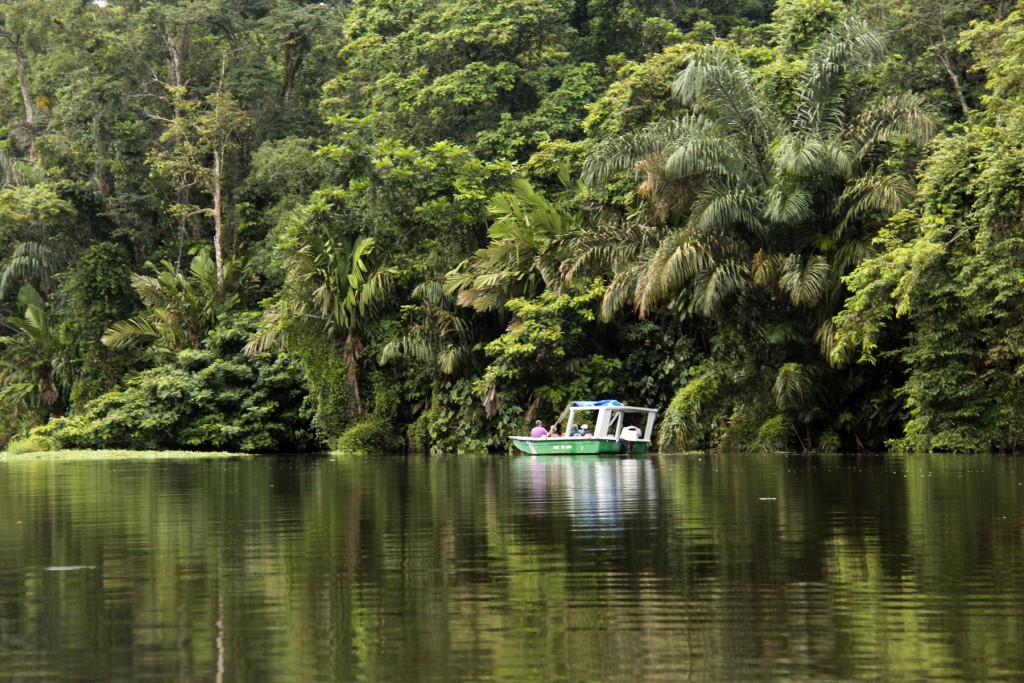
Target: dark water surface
(513, 569)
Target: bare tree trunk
(352, 349)
(218, 214)
(943, 51)
(291, 69)
(182, 193)
(30, 109)
(175, 64)
(176, 55)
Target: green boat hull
(576, 445)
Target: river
(664, 568)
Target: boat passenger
(538, 431)
(585, 431)
(553, 431)
(575, 431)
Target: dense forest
(387, 225)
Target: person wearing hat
(538, 431)
(585, 431)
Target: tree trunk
(353, 347)
(218, 214)
(943, 51)
(291, 69)
(30, 109)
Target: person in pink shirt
(538, 430)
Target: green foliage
(332, 287)
(429, 200)
(95, 295)
(457, 421)
(549, 354)
(950, 271)
(433, 335)
(798, 24)
(27, 444)
(214, 398)
(368, 436)
(757, 200)
(180, 309)
(518, 260)
(691, 420)
(33, 213)
(326, 374)
(494, 74)
(288, 167)
(378, 164)
(773, 436)
(34, 368)
(639, 93)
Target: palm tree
(757, 207)
(29, 262)
(33, 369)
(434, 335)
(517, 261)
(180, 309)
(332, 284)
(753, 200)
(14, 171)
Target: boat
(618, 428)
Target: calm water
(513, 569)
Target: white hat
(584, 427)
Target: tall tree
(943, 293)
(763, 196)
(198, 141)
(334, 286)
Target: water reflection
(531, 568)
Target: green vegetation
(421, 225)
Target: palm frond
(716, 84)
(849, 46)
(711, 288)
(805, 280)
(431, 291)
(706, 152)
(127, 333)
(802, 156)
(721, 207)
(906, 115)
(788, 204)
(765, 268)
(608, 247)
(791, 384)
(786, 332)
(30, 261)
(30, 296)
(625, 152)
(14, 171)
(675, 262)
(827, 339)
(877, 194)
(621, 290)
(267, 335)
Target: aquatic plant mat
(121, 455)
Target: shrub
(28, 444)
(210, 399)
(774, 435)
(370, 436)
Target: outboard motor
(628, 437)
